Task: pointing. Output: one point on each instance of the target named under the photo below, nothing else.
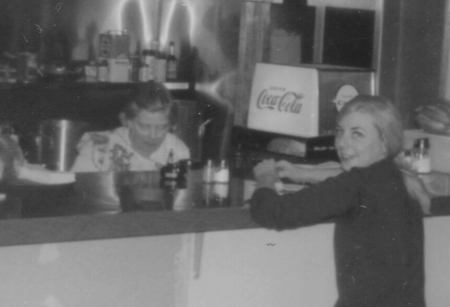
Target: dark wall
(413, 33)
(348, 37)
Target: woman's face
(148, 129)
(358, 142)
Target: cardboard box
(302, 100)
(119, 70)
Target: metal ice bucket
(56, 143)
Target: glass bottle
(184, 167)
(102, 71)
(208, 172)
(160, 65)
(148, 62)
(222, 173)
(207, 195)
(220, 195)
(172, 63)
(169, 172)
(154, 49)
(238, 160)
(422, 160)
(136, 63)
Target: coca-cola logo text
(286, 102)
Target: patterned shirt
(112, 151)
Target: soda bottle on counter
(169, 172)
(172, 63)
(238, 162)
(184, 167)
(222, 172)
(220, 195)
(208, 171)
(207, 195)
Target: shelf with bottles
(171, 86)
(154, 62)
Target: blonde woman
(379, 227)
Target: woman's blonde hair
(387, 119)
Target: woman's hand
(265, 174)
(288, 170)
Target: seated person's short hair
(151, 96)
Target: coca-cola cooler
(292, 111)
(303, 100)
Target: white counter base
(248, 268)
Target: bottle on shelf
(142, 72)
(136, 63)
(90, 69)
(172, 64)
(148, 62)
(160, 65)
(90, 72)
(102, 71)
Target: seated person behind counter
(143, 142)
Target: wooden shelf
(178, 85)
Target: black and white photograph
(225, 153)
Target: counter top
(83, 211)
(131, 224)
(91, 209)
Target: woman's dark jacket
(378, 236)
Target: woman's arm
(415, 186)
(319, 202)
(417, 190)
(307, 173)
